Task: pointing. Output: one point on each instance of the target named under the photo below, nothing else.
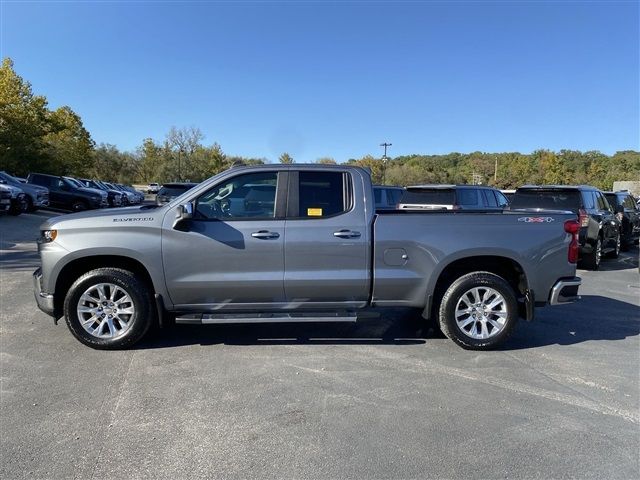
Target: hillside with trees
(34, 138)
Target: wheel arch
(505, 267)
(79, 266)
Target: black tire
(455, 293)
(626, 244)
(30, 207)
(79, 206)
(139, 322)
(15, 209)
(592, 260)
(615, 253)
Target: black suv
(599, 227)
(169, 191)
(68, 195)
(452, 197)
(628, 214)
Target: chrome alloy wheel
(481, 313)
(105, 310)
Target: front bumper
(565, 291)
(44, 300)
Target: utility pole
(495, 173)
(384, 160)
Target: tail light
(583, 217)
(573, 227)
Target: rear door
(327, 240)
(608, 222)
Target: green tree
(326, 161)
(23, 123)
(69, 144)
(285, 158)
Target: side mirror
(184, 212)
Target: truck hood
(98, 218)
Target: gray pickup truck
(300, 243)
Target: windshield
(74, 182)
(551, 199)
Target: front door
(327, 255)
(230, 256)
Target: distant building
(631, 185)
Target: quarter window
(489, 198)
(502, 200)
(467, 196)
(250, 196)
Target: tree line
(34, 138)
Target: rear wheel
(478, 311)
(616, 251)
(591, 261)
(108, 308)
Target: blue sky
(339, 78)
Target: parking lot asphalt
(382, 398)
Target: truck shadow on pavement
(593, 318)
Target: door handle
(265, 235)
(346, 234)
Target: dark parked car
(452, 197)
(17, 199)
(169, 191)
(114, 197)
(387, 198)
(599, 227)
(35, 195)
(628, 214)
(5, 198)
(67, 195)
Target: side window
(629, 203)
(589, 202)
(393, 197)
(502, 200)
(467, 196)
(377, 196)
(250, 196)
(489, 198)
(321, 194)
(602, 202)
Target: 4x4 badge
(536, 219)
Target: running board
(221, 318)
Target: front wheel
(478, 311)
(108, 308)
(79, 206)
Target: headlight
(49, 236)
